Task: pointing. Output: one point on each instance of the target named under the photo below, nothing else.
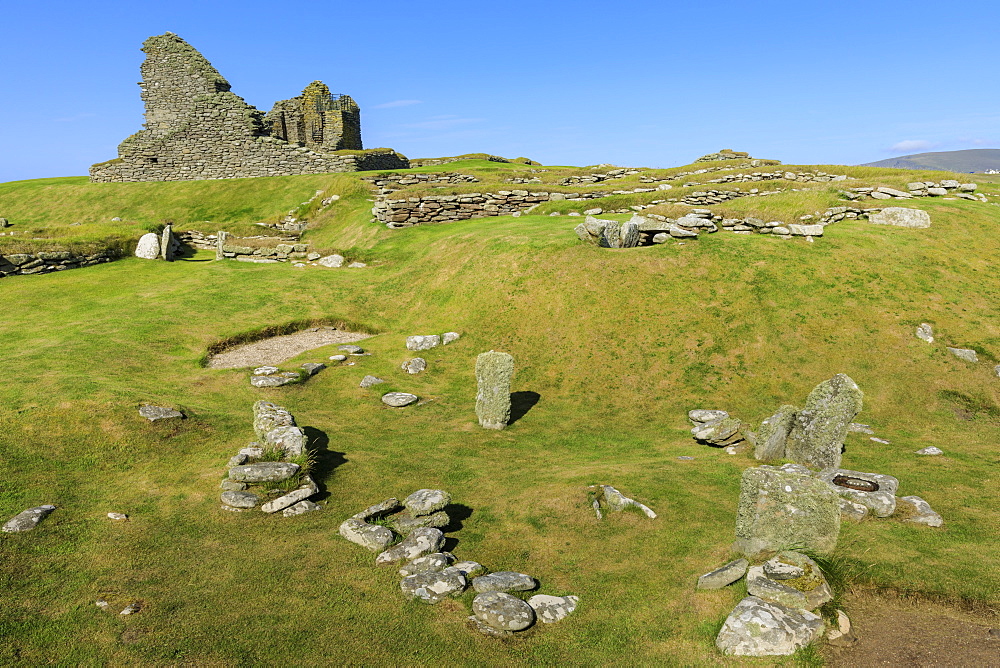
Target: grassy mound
(612, 348)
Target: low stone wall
(619, 173)
(405, 212)
(44, 262)
(434, 162)
(279, 250)
(390, 182)
(801, 177)
(918, 189)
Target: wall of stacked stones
(43, 262)
(390, 182)
(434, 162)
(404, 212)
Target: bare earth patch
(277, 349)
(916, 634)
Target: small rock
(399, 399)
(338, 358)
(313, 368)
(331, 261)
(264, 472)
(405, 522)
(841, 634)
(449, 337)
(102, 604)
(779, 570)
(414, 366)
(930, 450)
(131, 609)
(370, 536)
(483, 627)
(266, 371)
(369, 381)
(424, 342)
(118, 517)
(925, 332)
(551, 609)
(299, 508)
(879, 440)
(724, 576)
(685, 458)
(470, 569)
(426, 501)
(232, 485)
(964, 354)
(240, 499)
(902, 216)
(858, 428)
(852, 511)
(154, 413)
(503, 611)
(312, 257)
(357, 265)
(701, 416)
(433, 586)
(270, 381)
(504, 581)
(28, 519)
(293, 497)
(921, 512)
(352, 349)
(758, 628)
(424, 540)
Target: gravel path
(277, 349)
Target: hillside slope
(968, 161)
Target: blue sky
(630, 83)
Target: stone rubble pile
(262, 475)
(716, 428)
(614, 501)
(919, 189)
(408, 535)
(619, 173)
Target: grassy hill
(617, 344)
(968, 161)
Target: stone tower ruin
(196, 128)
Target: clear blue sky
(630, 83)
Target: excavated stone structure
(196, 128)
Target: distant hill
(972, 160)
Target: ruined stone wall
(44, 262)
(408, 211)
(196, 128)
(317, 120)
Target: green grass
(618, 345)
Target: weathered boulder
(148, 247)
(433, 586)
(629, 235)
(807, 592)
(290, 439)
(399, 399)
(272, 381)
(925, 332)
(240, 499)
(780, 508)
(611, 235)
(423, 342)
(351, 349)
(700, 416)
(797, 230)
(154, 413)
(299, 508)
(617, 502)
(901, 217)
(313, 368)
(28, 519)
(849, 510)
(773, 433)
(494, 371)
(914, 509)
(758, 628)
(405, 522)
(875, 491)
(263, 472)
(552, 609)
(470, 569)
(431, 562)
(301, 494)
(331, 261)
(414, 366)
(427, 501)
(504, 581)
(267, 416)
(387, 506)
(724, 575)
(424, 540)
(503, 611)
(966, 354)
(370, 536)
(719, 432)
(482, 626)
(820, 428)
(369, 381)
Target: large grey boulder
(433, 586)
(331, 261)
(820, 428)
(148, 247)
(611, 235)
(901, 217)
(797, 230)
(154, 413)
(505, 581)
(290, 439)
(423, 342)
(503, 611)
(779, 508)
(629, 235)
(724, 575)
(28, 519)
(773, 433)
(263, 472)
(552, 609)
(494, 371)
(758, 628)
(427, 501)
(718, 432)
(370, 536)
(424, 540)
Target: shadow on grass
(326, 460)
(456, 513)
(521, 403)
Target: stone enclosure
(196, 128)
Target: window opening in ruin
(154, 159)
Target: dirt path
(916, 634)
(277, 349)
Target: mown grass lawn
(617, 344)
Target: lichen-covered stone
(433, 586)
(290, 439)
(423, 341)
(494, 371)
(299, 508)
(717, 431)
(154, 413)
(552, 609)
(387, 506)
(724, 575)
(919, 511)
(773, 433)
(370, 536)
(414, 366)
(264, 472)
(431, 562)
(966, 354)
(807, 592)
(505, 581)
(291, 498)
(424, 540)
(28, 519)
(267, 416)
(240, 499)
(700, 416)
(148, 247)
(758, 628)
(780, 509)
(427, 501)
(901, 217)
(881, 501)
(470, 569)
(405, 522)
(399, 399)
(503, 611)
(820, 428)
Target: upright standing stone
(167, 244)
(148, 247)
(818, 431)
(220, 241)
(780, 509)
(773, 434)
(493, 373)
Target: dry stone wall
(408, 211)
(44, 262)
(390, 182)
(196, 128)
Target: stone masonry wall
(408, 211)
(196, 128)
(44, 262)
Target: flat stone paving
(277, 349)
